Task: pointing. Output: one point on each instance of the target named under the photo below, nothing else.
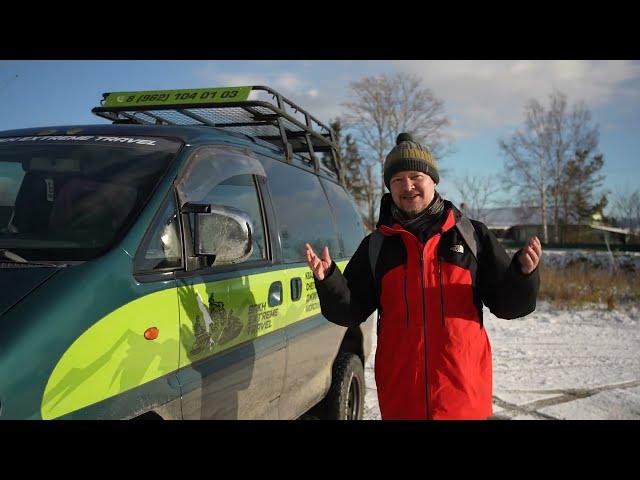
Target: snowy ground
(554, 364)
(627, 261)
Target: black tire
(345, 400)
(148, 416)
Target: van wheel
(345, 400)
(148, 416)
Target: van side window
(162, 248)
(11, 177)
(303, 213)
(347, 217)
(240, 192)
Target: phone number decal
(178, 97)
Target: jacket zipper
(406, 299)
(424, 323)
(441, 294)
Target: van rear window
(348, 218)
(303, 213)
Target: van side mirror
(224, 233)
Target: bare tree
(371, 198)
(537, 154)
(626, 207)
(385, 105)
(525, 161)
(572, 139)
(476, 192)
(352, 162)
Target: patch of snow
(565, 364)
(619, 404)
(628, 261)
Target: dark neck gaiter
(423, 224)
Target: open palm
(530, 255)
(318, 265)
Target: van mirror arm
(190, 207)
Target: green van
(153, 267)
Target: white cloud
(490, 94)
(287, 81)
(235, 80)
(304, 91)
(458, 133)
(478, 94)
(215, 74)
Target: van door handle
(275, 294)
(296, 288)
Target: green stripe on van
(113, 355)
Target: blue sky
(484, 99)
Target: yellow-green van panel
(113, 355)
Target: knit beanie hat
(409, 155)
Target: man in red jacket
(429, 283)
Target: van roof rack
(270, 117)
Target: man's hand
(319, 266)
(530, 255)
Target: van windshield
(70, 198)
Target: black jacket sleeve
(349, 299)
(503, 287)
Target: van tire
(148, 416)
(345, 400)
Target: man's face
(412, 191)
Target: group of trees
(552, 162)
(626, 207)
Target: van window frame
(159, 274)
(303, 164)
(334, 219)
(187, 234)
(335, 211)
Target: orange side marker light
(151, 333)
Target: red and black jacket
(433, 357)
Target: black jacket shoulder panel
(348, 299)
(503, 287)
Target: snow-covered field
(628, 261)
(554, 364)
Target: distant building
(518, 223)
